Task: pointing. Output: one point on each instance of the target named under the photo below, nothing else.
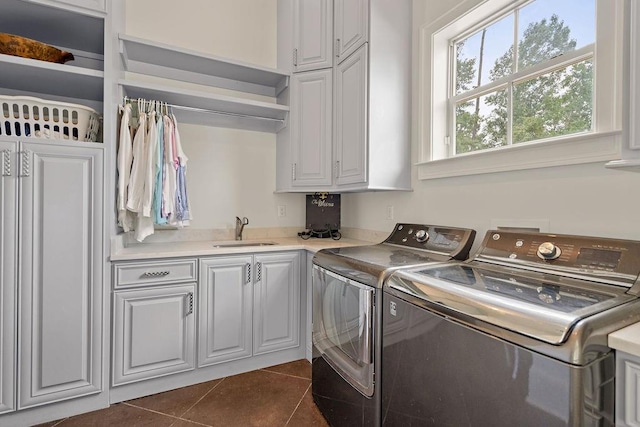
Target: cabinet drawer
(155, 272)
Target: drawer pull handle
(156, 273)
(259, 268)
(6, 162)
(189, 303)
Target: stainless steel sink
(242, 244)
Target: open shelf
(52, 25)
(211, 109)
(23, 74)
(156, 59)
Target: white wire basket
(39, 118)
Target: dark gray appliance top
(408, 245)
(538, 285)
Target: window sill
(572, 150)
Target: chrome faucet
(240, 223)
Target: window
(514, 74)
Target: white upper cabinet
(351, 119)
(370, 147)
(311, 127)
(351, 26)
(313, 35)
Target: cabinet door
(351, 98)
(627, 390)
(313, 34)
(309, 321)
(8, 277)
(351, 26)
(225, 295)
(311, 128)
(60, 270)
(276, 323)
(154, 331)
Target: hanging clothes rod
(206, 111)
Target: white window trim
(601, 145)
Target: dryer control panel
(455, 242)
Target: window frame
(435, 109)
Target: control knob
(422, 236)
(548, 251)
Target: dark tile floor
(275, 396)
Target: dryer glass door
(343, 328)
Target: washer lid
(538, 305)
(408, 245)
(371, 264)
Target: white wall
(231, 172)
(584, 199)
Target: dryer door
(343, 326)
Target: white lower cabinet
(248, 305)
(627, 390)
(51, 273)
(225, 298)
(154, 332)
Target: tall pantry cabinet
(52, 216)
(359, 139)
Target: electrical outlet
(390, 212)
(282, 210)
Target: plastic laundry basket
(39, 118)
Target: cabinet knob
(337, 48)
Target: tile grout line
(298, 405)
(150, 410)
(203, 396)
(166, 415)
(288, 375)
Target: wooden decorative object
(21, 46)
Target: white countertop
(203, 248)
(626, 339)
